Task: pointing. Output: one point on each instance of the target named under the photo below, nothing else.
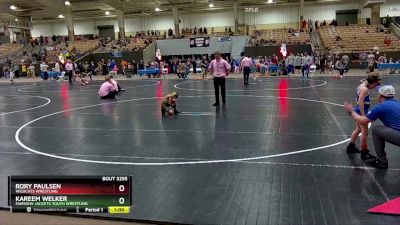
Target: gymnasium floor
(275, 154)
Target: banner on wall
(116, 54)
(223, 39)
(199, 42)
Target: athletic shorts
(297, 67)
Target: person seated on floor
(107, 89)
(84, 82)
(168, 104)
(283, 69)
(388, 111)
(116, 85)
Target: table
(51, 74)
(273, 69)
(148, 71)
(386, 66)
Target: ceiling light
(67, 3)
(210, 5)
(270, 2)
(157, 9)
(107, 13)
(13, 7)
(16, 19)
(61, 16)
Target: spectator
(6, 71)
(297, 64)
(43, 68)
(363, 58)
(322, 64)
(387, 41)
(340, 67)
(16, 71)
(57, 67)
(180, 71)
(371, 62)
(23, 70)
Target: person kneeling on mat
(107, 89)
(363, 103)
(169, 104)
(388, 111)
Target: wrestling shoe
(366, 156)
(376, 163)
(215, 104)
(351, 148)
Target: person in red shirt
(219, 69)
(275, 59)
(387, 41)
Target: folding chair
(312, 70)
(61, 77)
(164, 72)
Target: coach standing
(246, 65)
(219, 69)
(388, 111)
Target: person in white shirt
(69, 68)
(290, 63)
(57, 67)
(12, 74)
(43, 68)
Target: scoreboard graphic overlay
(77, 194)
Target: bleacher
(279, 36)
(84, 46)
(356, 38)
(9, 48)
(134, 44)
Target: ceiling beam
(115, 4)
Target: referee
(219, 69)
(246, 65)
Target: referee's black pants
(246, 74)
(69, 73)
(219, 82)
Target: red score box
(122, 188)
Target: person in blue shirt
(388, 111)
(112, 65)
